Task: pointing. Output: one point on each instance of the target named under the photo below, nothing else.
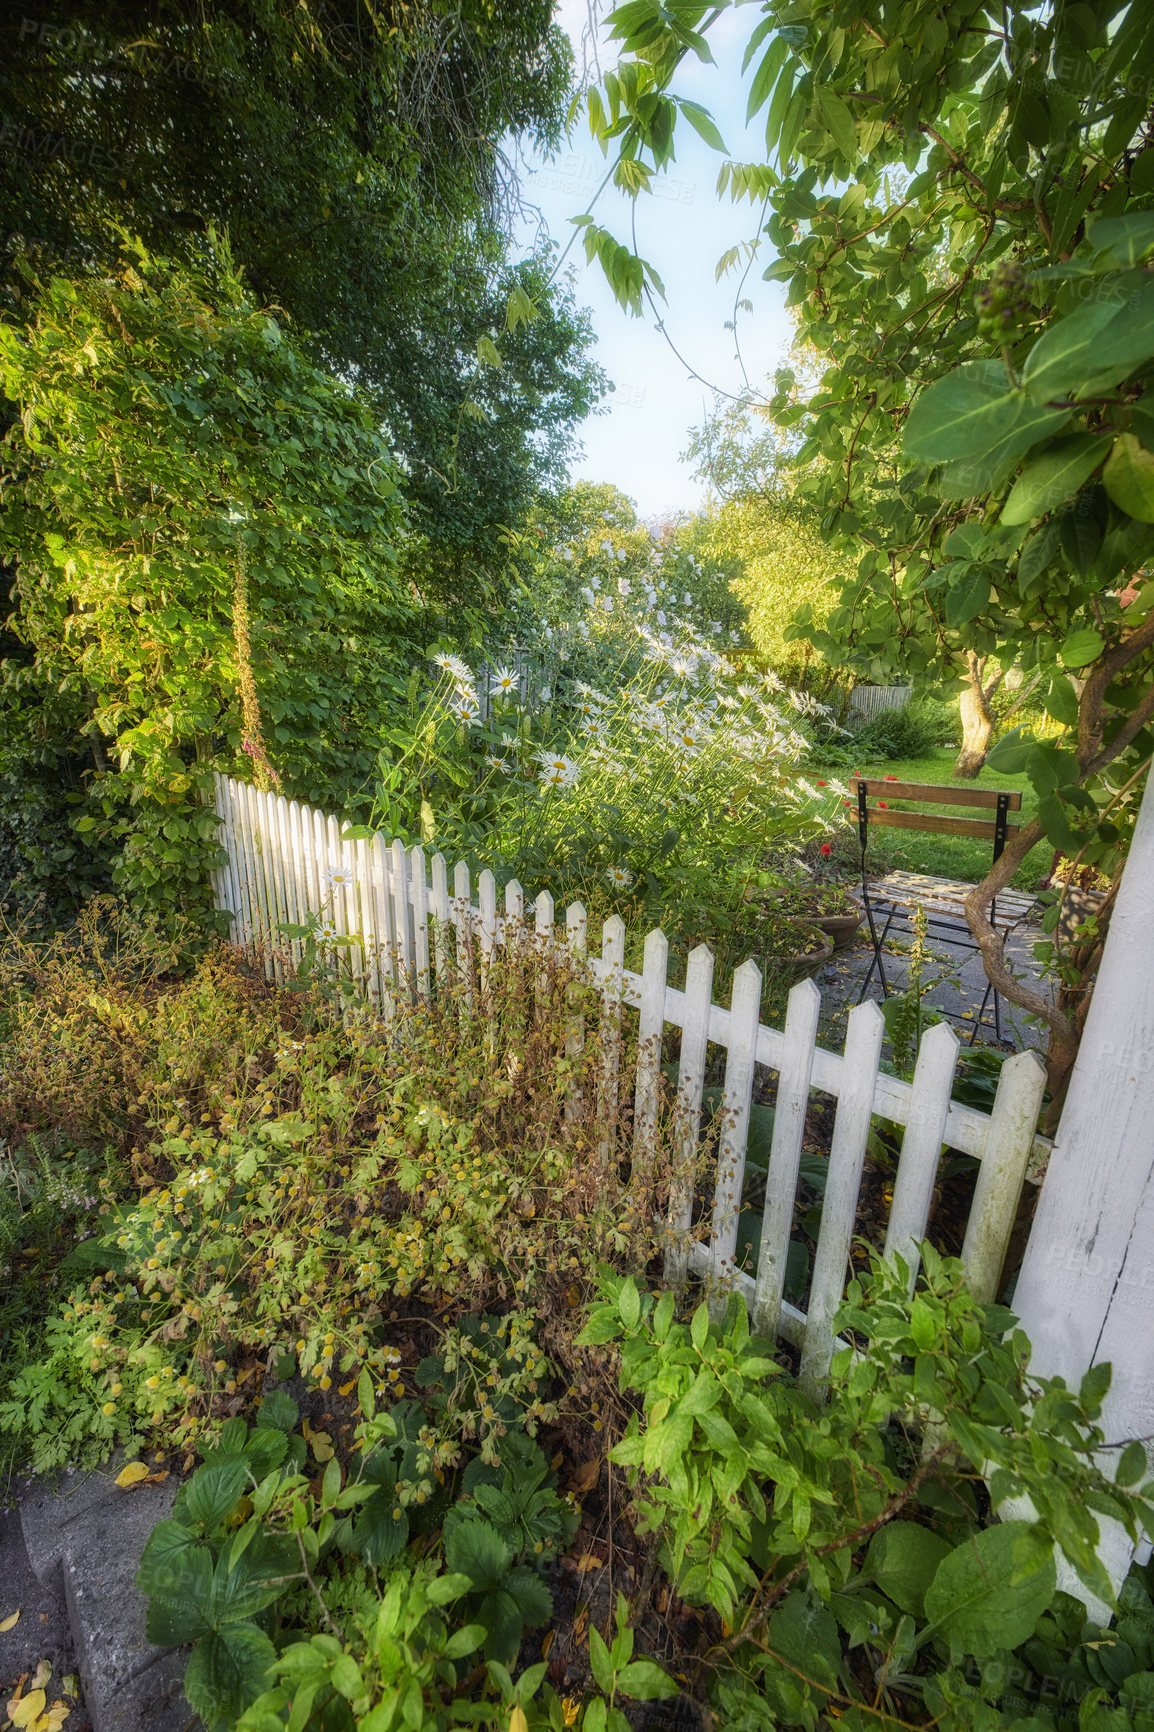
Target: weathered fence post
(1086, 1291)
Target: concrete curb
(84, 1539)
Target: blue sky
(682, 229)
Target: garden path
(958, 978)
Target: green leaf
(1081, 648)
(967, 597)
(699, 1327)
(960, 413)
(645, 1681)
(278, 1411)
(1008, 755)
(1132, 1465)
(970, 410)
(464, 1641)
(1053, 477)
(381, 1531)
(839, 121)
(1064, 353)
(702, 123)
(975, 1599)
(475, 1549)
(164, 1558)
(1125, 241)
(443, 1589)
(241, 1589)
(600, 1661)
(181, 1612)
(629, 1303)
(903, 1559)
(1129, 477)
(227, 1671)
(595, 1716)
(212, 1492)
(1062, 701)
(806, 1635)
(1037, 554)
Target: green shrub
(911, 732)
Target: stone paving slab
(42, 1631)
(959, 983)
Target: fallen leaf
(131, 1475)
(517, 1720)
(11, 1621)
(54, 1719)
(580, 1623)
(586, 1476)
(547, 1643)
(28, 1709)
(43, 1674)
(588, 1562)
(321, 1445)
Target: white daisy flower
(619, 876)
(340, 878)
(503, 682)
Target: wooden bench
(943, 899)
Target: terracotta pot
(806, 962)
(840, 927)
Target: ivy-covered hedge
(171, 450)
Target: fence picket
(922, 1145)
(420, 899)
(226, 835)
(386, 935)
(261, 901)
(246, 871)
(863, 1045)
(687, 1119)
(543, 930)
(785, 1155)
(462, 916)
(1018, 1102)
(651, 1027)
(609, 1081)
(309, 868)
(744, 1014)
(441, 955)
(402, 931)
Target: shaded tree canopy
(355, 158)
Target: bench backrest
(996, 830)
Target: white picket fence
(870, 701)
(281, 862)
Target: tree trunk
(977, 719)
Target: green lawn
(945, 856)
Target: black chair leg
(877, 961)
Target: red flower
(821, 784)
(883, 806)
(857, 776)
(826, 849)
(891, 778)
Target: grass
(946, 856)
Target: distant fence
(287, 862)
(869, 701)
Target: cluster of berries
(1005, 311)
